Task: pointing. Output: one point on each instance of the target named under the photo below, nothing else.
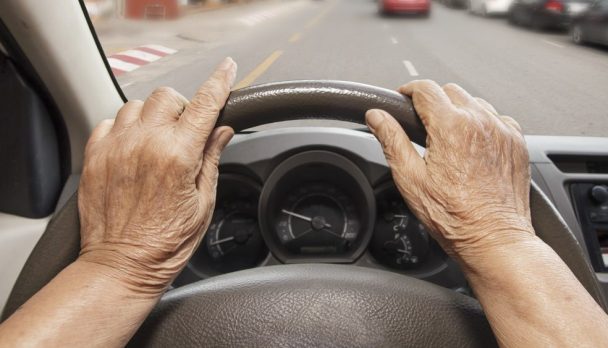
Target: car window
(525, 64)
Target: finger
(430, 101)
(128, 114)
(102, 130)
(198, 120)
(487, 106)
(207, 179)
(164, 105)
(460, 97)
(511, 122)
(400, 153)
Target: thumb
(209, 173)
(400, 153)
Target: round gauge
(233, 240)
(317, 206)
(400, 240)
(318, 218)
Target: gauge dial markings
(400, 241)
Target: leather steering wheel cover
(315, 305)
(60, 244)
(318, 100)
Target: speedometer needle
(302, 217)
(305, 218)
(220, 241)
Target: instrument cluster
(315, 206)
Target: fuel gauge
(233, 240)
(400, 240)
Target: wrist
(504, 237)
(124, 272)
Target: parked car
(455, 3)
(490, 7)
(422, 7)
(541, 14)
(592, 25)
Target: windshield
(533, 60)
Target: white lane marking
(148, 57)
(552, 43)
(121, 65)
(394, 40)
(164, 49)
(410, 68)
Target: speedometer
(317, 206)
(318, 218)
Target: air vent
(580, 164)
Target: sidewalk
(100, 10)
(211, 6)
(197, 25)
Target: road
(541, 79)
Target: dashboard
(326, 195)
(314, 195)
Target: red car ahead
(422, 7)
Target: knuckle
(102, 129)
(109, 122)
(428, 84)
(88, 170)
(92, 164)
(131, 107)
(451, 87)
(509, 119)
(482, 101)
(221, 77)
(164, 92)
(207, 101)
(133, 104)
(165, 99)
(511, 122)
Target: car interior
(306, 216)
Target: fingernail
(227, 64)
(374, 119)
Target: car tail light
(554, 5)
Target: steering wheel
(308, 304)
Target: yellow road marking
(320, 16)
(259, 70)
(295, 37)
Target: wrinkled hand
(147, 191)
(472, 186)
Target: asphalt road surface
(548, 84)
